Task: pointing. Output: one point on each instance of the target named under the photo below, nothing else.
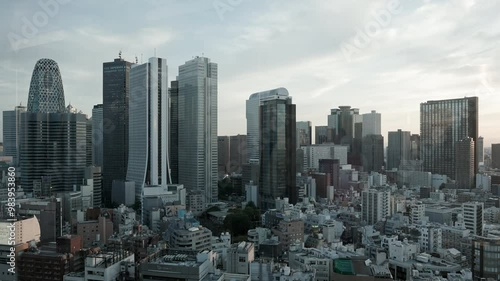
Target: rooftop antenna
(120, 54)
(136, 60)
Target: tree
(237, 223)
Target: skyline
(421, 53)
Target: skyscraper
(148, 125)
(495, 155)
(464, 163)
(277, 150)
(371, 123)
(342, 120)
(442, 124)
(486, 258)
(11, 122)
(46, 92)
(97, 135)
(52, 138)
(398, 148)
(323, 134)
(304, 133)
(480, 149)
(198, 127)
(237, 153)
(373, 153)
(223, 161)
(115, 95)
(415, 146)
(173, 142)
(253, 120)
(52, 149)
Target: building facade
(97, 135)
(398, 148)
(115, 96)
(278, 151)
(11, 122)
(464, 164)
(304, 133)
(198, 127)
(442, 124)
(46, 92)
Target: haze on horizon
(373, 55)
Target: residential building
(473, 216)
(376, 205)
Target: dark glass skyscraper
(173, 143)
(442, 124)
(464, 163)
(373, 153)
(115, 95)
(11, 121)
(46, 89)
(398, 148)
(277, 151)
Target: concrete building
(372, 124)
(237, 153)
(304, 133)
(495, 155)
(123, 192)
(289, 232)
(223, 158)
(314, 153)
(95, 231)
(473, 217)
(239, 257)
(417, 213)
(186, 267)
(49, 214)
(11, 129)
(376, 205)
(252, 193)
(373, 153)
(464, 164)
(431, 238)
(398, 149)
(323, 134)
(108, 266)
(198, 94)
(342, 121)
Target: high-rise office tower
(88, 146)
(173, 93)
(332, 167)
(415, 147)
(52, 149)
(442, 124)
(237, 153)
(52, 138)
(371, 123)
(253, 120)
(304, 133)
(480, 149)
(342, 120)
(277, 151)
(464, 164)
(223, 155)
(11, 121)
(376, 205)
(115, 96)
(148, 125)
(198, 127)
(398, 148)
(495, 155)
(46, 92)
(323, 134)
(473, 215)
(97, 137)
(373, 153)
(486, 258)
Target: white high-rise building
(376, 205)
(148, 125)
(473, 216)
(253, 120)
(197, 127)
(371, 123)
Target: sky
(387, 56)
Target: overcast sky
(387, 56)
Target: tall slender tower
(115, 96)
(442, 124)
(97, 137)
(277, 151)
(11, 121)
(148, 125)
(398, 148)
(253, 120)
(197, 82)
